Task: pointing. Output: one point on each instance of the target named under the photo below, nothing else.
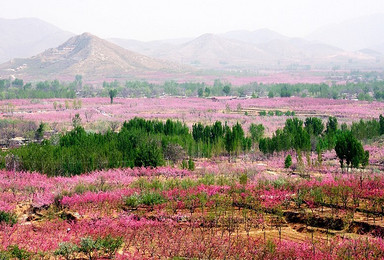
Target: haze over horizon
(154, 20)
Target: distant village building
(17, 141)
(223, 98)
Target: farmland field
(191, 130)
(242, 209)
(246, 205)
(95, 111)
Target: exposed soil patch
(363, 228)
(314, 221)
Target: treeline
(312, 136)
(140, 142)
(369, 88)
(213, 140)
(11, 128)
(153, 143)
(276, 113)
(367, 91)
(171, 88)
(17, 89)
(367, 129)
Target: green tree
(217, 131)
(381, 122)
(332, 125)
(200, 92)
(112, 94)
(284, 92)
(76, 121)
(263, 145)
(238, 136)
(191, 165)
(207, 92)
(330, 131)
(298, 138)
(229, 140)
(197, 131)
(350, 151)
(256, 131)
(314, 126)
(288, 161)
(79, 81)
(149, 154)
(18, 83)
(226, 90)
(39, 134)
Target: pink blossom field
(248, 207)
(189, 110)
(209, 213)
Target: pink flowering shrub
(213, 212)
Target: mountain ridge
(232, 51)
(353, 34)
(90, 56)
(24, 37)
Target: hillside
(215, 52)
(261, 50)
(232, 51)
(298, 51)
(24, 37)
(257, 37)
(149, 48)
(89, 56)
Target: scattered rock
(69, 216)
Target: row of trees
(372, 88)
(153, 143)
(350, 151)
(311, 135)
(140, 142)
(17, 89)
(368, 129)
(292, 136)
(206, 92)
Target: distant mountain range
(355, 44)
(256, 37)
(210, 51)
(21, 38)
(365, 32)
(90, 56)
(262, 49)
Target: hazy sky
(156, 19)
